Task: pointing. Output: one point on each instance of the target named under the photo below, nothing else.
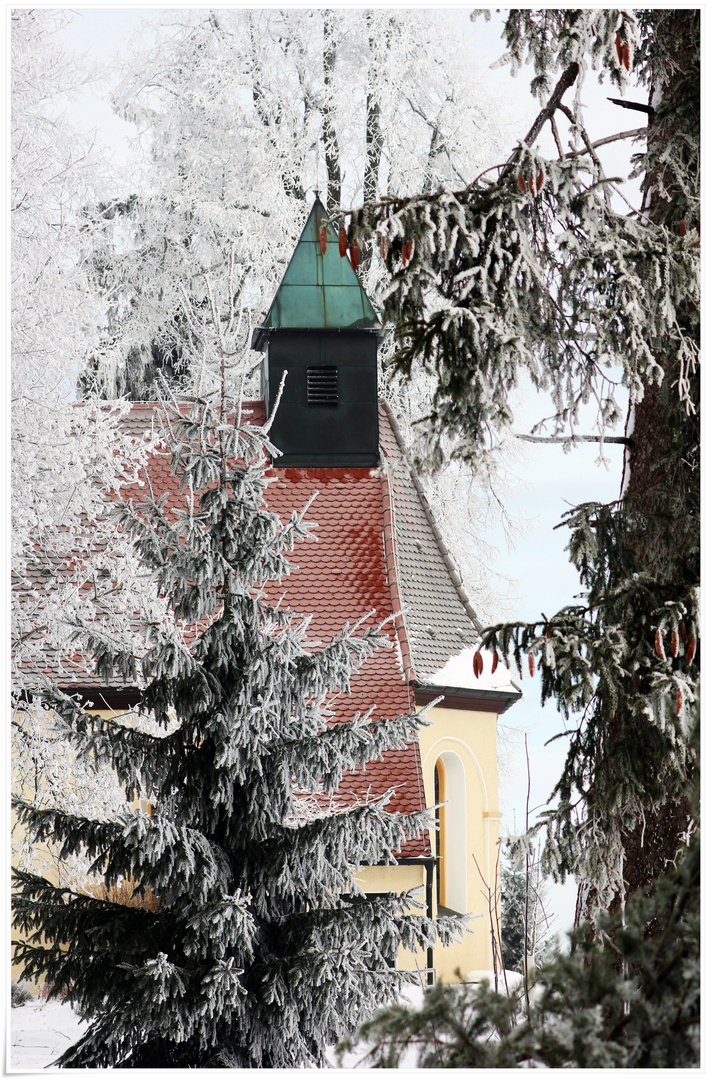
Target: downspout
(429, 863)
(429, 956)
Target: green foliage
(535, 274)
(525, 924)
(627, 998)
(244, 939)
(630, 708)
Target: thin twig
(526, 881)
(613, 138)
(277, 400)
(555, 133)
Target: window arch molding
(460, 748)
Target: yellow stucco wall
(46, 861)
(466, 742)
(375, 879)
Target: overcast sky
(549, 481)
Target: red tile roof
(341, 577)
(377, 549)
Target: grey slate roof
(440, 621)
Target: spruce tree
(525, 924)
(630, 999)
(253, 945)
(534, 271)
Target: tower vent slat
(322, 386)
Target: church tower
(323, 331)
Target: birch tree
(66, 456)
(69, 563)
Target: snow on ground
(410, 995)
(39, 1032)
(414, 997)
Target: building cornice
(115, 698)
(459, 697)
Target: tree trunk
(661, 496)
(331, 141)
(374, 135)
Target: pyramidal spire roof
(319, 291)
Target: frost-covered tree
(65, 457)
(534, 270)
(629, 1000)
(254, 945)
(68, 562)
(241, 113)
(526, 926)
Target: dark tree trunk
(663, 471)
(374, 135)
(661, 498)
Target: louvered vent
(322, 386)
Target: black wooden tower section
(323, 331)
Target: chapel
(379, 555)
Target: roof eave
(115, 698)
(260, 335)
(460, 697)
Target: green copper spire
(320, 292)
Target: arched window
(439, 793)
(451, 837)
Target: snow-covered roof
(459, 672)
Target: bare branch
(565, 82)
(621, 440)
(637, 106)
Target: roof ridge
(448, 560)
